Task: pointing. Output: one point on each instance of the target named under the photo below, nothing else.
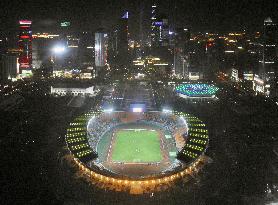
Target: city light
(109, 110)
(97, 47)
(59, 49)
(229, 51)
(137, 109)
(125, 102)
(25, 22)
(167, 110)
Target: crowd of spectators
(97, 127)
(169, 123)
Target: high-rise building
(3, 44)
(181, 52)
(153, 23)
(160, 32)
(101, 45)
(269, 51)
(112, 47)
(25, 45)
(268, 60)
(8, 67)
(86, 50)
(123, 35)
(120, 45)
(42, 44)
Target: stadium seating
(197, 141)
(76, 137)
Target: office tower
(3, 43)
(86, 50)
(118, 44)
(160, 29)
(269, 51)
(101, 45)
(25, 45)
(112, 47)
(181, 52)
(123, 35)
(160, 33)
(153, 23)
(8, 67)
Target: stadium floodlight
(59, 49)
(109, 110)
(97, 47)
(137, 109)
(185, 123)
(90, 121)
(171, 32)
(167, 110)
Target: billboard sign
(158, 23)
(25, 22)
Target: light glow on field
(137, 109)
(136, 146)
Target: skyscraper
(121, 37)
(159, 34)
(101, 45)
(181, 50)
(86, 50)
(25, 45)
(153, 23)
(8, 66)
(123, 34)
(269, 52)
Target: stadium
(138, 152)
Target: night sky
(210, 15)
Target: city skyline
(139, 102)
(199, 16)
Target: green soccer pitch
(136, 146)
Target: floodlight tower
(57, 52)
